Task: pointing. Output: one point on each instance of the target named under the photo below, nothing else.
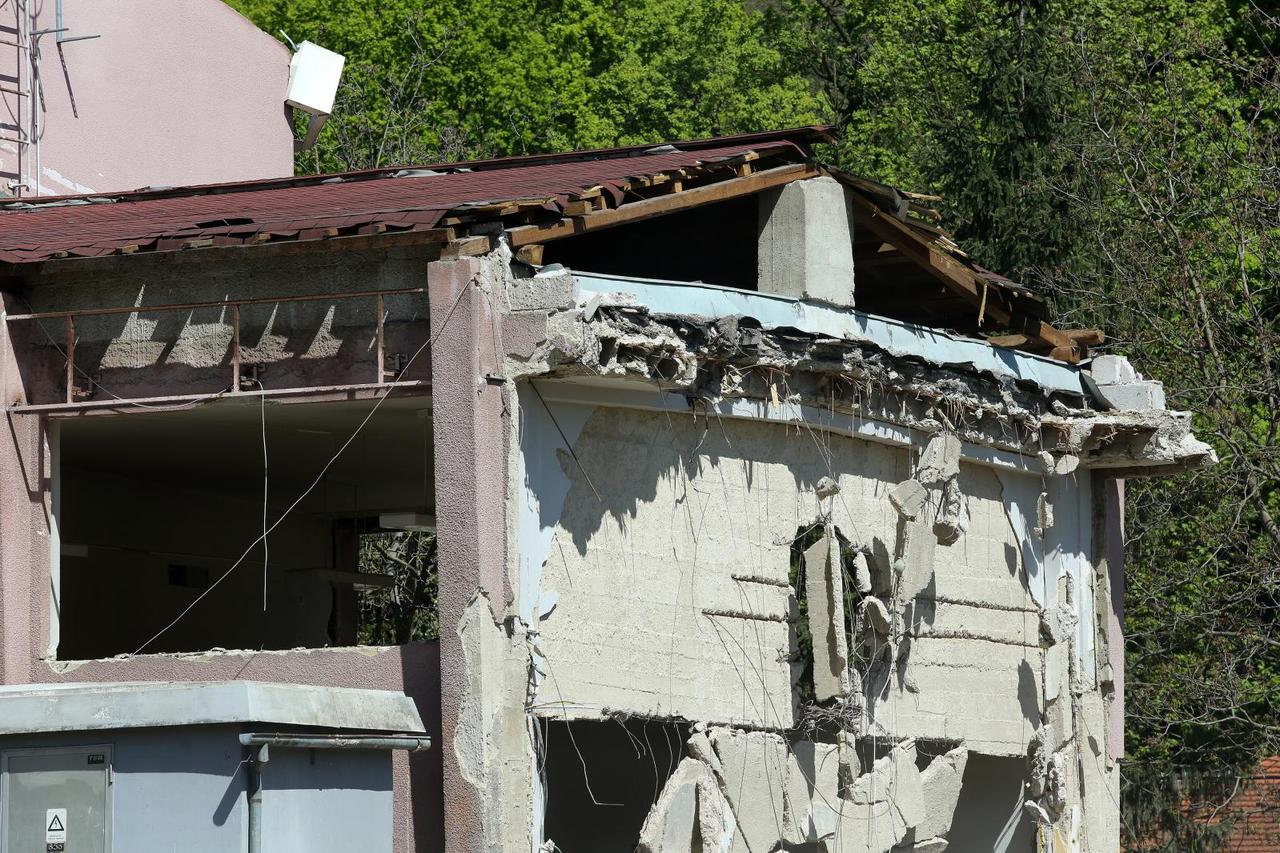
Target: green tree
(470, 79)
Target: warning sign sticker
(55, 829)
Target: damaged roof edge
(894, 336)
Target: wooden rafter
(647, 208)
(987, 298)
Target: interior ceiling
(218, 446)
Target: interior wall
(713, 244)
(120, 594)
(603, 777)
(154, 508)
(989, 817)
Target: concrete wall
(696, 519)
(175, 92)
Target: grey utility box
(165, 767)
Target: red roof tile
(304, 208)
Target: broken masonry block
(1047, 461)
(1066, 464)
(827, 488)
(1058, 623)
(908, 498)
(850, 762)
(862, 572)
(755, 765)
(940, 459)
(1044, 514)
(894, 779)
(824, 589)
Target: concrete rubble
(754, 791)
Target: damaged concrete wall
(672, 590)
(189, 351)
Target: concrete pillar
(25, 518)
(471, 426)
(806, 241)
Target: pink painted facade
(174, 92)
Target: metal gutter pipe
(260, 744)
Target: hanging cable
(319, 478)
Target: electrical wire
(319, 478)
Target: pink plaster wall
(175, 92)
(472, 422)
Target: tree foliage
(505, 77)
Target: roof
(908, 267)
(399, 199)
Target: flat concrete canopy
(30, 709)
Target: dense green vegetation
(1120, 155)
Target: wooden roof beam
(636, 211)
(958, 278)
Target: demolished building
(766, 520)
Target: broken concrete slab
(940, 459)
(941, 782)
(669, 826)
(908, 498)
(1066, 464)
(716, 823)
(862, 572)
(1044, 514)
(824, 589)
(876, 616)
(929, 845)
(953, 515)
(919, 546)
(755, 781)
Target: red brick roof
(351, 203)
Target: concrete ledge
(38, 708)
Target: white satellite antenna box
(314, 74)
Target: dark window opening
(807, 536)
(155, 512)
(603, 777)
(714, 244)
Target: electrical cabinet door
(56, 800)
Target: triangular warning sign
(55, 825)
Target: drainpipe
(259, 754)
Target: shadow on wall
(679, 449)
(989, 816)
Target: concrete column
(471, 427)
(806, 241)
(25, 518)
